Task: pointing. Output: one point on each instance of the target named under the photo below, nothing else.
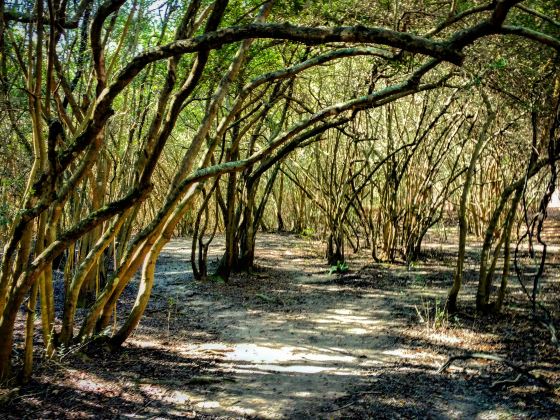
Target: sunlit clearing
(249, 352)
(296, 369)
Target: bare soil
(291, 340)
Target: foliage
(307, 233)
(433, 314)
(126, 123)
(340, 267)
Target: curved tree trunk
(480, 144)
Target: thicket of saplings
(128, 124)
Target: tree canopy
(125, 123)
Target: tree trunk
(335, 247)
(463, 226)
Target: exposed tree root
(501, 382)
(485, 356)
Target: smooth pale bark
(482, 296)
(156, 139)
(95, 120)
(29, 330)
(144, 292)
(179, 206)
(186, 166)
(103, 111)
(25, 280)
(482, 141)
(80, 276)
(507, 251)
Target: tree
(141, 136)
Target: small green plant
(500, 64)
(418, 281)
(433, 315)
(307, 232)
(441, 319)
(216, 278)
(340, 267)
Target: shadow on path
(289, 341)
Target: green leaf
(500, 64)
(217, 279)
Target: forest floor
(293, 341)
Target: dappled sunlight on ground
(295, 360)
(292, 341)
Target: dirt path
(295, 341)
(292, 341)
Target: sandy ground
(290, 342)
(293, 341)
